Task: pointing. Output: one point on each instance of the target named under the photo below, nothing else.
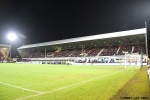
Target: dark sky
(38, 21)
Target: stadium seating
(103, 51)
(1, 56)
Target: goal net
(135, 60)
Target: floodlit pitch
(62, 82)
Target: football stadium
(109, 48)
(108, 66)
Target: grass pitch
(61, 82)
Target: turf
(137, 88)
(62, 82)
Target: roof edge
(87, 38)
(5, 45)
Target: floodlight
(12, 36)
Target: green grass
(62, 82)
(137, 87)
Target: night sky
(37, 21)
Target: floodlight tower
(11, 36)
(125, 53)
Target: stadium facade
(117, 47)
(4, 51)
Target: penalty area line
(21, 88)
(69, 86)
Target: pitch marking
(18, 87)
(61, 88)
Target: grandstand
(4, 51)
(96, 49)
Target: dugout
(116, 40)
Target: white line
(18, 87)
(61, 88)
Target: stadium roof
(3, 45)
(136, 34)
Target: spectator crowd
(104, 51)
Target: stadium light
(12, 37)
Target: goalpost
(134, 60)
(125, 59)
